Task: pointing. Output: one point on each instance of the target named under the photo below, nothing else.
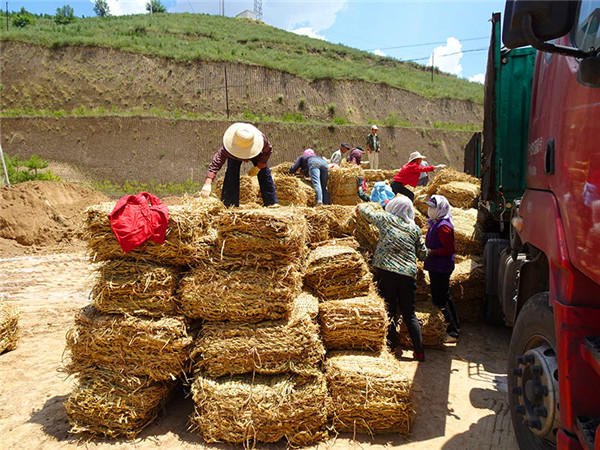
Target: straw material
(467, 287)
(344, 242)
(135, 287)
(366, 233)
(157, 348)
(374, 175)
(289, 190)
(265, 237)
(188, 238)
(336, 272)
(447, 176)
(337, 218)
(249, 190)
(467, 233)
(433, 326)
(242, 295)
(342, 185)
(110, 404)
(461, 194)
(420, 219)
(369, 392)
(283, 168)
(250, 408)
(356, 323)
(318, 224)
(9, 325)
(269, 347)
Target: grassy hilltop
(200, 37)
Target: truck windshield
(587, 28)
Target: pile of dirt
(43, 214)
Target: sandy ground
(460, 392)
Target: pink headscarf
(309, 151)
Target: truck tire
(533, 376)
(492, 309)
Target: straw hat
(374, 127)
(242, 140)
(415, 155)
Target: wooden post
(4, 166)
(226, 92)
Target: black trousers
(440, 295)
(398, 188)
(230, 195)
(398, 292)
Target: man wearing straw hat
(242, 142)
(409, 174)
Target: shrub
(64, 15)
(155, 6)
(27, 170)
(22, 19)
(302, 103)
(101, 8)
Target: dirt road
(459, 392)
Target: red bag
(137, 218)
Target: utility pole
(258, 9)
(6, 16)
(432, 65)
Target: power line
(449, 54)
(428, 43)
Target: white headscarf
(439, 212)
(402, 207)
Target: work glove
(253, 172)
(440, 166)
(205, 192)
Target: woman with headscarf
(317, 169)
(400, 244)
(440, 260)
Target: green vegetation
(195, 37)
(456, 126)
(64, 15)
(27, 170)
(133, 187)
(22, 19)
(155, 6)
(101, 8)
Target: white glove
(253, 171)
(440, 166)
(205, 192)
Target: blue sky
(455, 32)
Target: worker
(242, 142)
(409, 174)
(381, 192)
(355, 155)
(338, 155)
(373, 147)
(316, 168)
(423, 176)
(400, 244)
(440, 261)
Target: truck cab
(542, 263)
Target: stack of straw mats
(467, 284)
(342, 185)
(249, 190)
(317, 224)
(9, 325)
(369, 393)
(292, 191)
(136, 287)
(354, 323)
(433, 326)
(188, 240)
(266, 237)
(269, 347)
(248, 408)
(111, 404)
(336, 272)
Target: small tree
(101, 8)
(64, 15)
(22, 19)
(155, 6)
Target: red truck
(547, 270)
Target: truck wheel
(533, 376)
(492, 309)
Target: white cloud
(318, 15)
(124, 7)
(379, 52)
(308, 31)
(447, 57)
(479, 78)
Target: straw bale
(420, 219)
(136, 287)
(265, 408)
(269, 347)
(355, 323)
(265, 236)
(318, 224)
(309, 304)
(249, 190)
(374, 175)
(337, 217)
(242, 295)
(335, 272)
(283, 168)
(111, 404)
(289, 190)
(467, 287)
(446, 176)
(422, 279)
(142, 346)
(433, 326)
(460, 194)
(344, 241)
(190, 235)
(369, 393)
(366, 233)
(9, 325)
(342, 183)
(467, 232)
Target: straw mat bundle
(354, 323)
(318, 224)
(249, 190)
(289, 190)
(136, 287)
(269, 347)
(433, 326)
(9, 325)
(337, 218)
(467, 287)
(446, 176)
(369, 393)
(467, 233)
(461, 194)
(142, 346)
(250, 408)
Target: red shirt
(409, 174)
(446, 235)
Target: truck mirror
(589, 72)
(549, 20)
